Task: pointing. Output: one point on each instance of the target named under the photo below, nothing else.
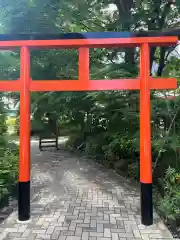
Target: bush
(11, 125)
(133, 171)
(169, 204)
(8, 167)
(74, 140)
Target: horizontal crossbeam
(99, 85)
(11, 85)
(91, 85)
(90, 43)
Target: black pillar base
(24, 201)
(146, 204)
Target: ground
(77, 199)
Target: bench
(48, 141)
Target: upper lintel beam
(91, 43)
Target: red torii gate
(144, 83)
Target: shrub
(133, 171)
(11, 125)
(169, 204)
(8, 168)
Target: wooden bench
(48, 141)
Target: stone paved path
(76, 199)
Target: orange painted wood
(83, 67)
(145, 119)
(98, 85)
(24, 163)
(91, 85)
(163, 83)
(91, 43)
(10, 85)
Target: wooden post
(145, 138)
(24, 163)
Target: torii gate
(84, 41)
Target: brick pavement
(76, 199)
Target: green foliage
(8, 156)
(133, 171)
(8, 172)
(74, 141)
(9, 153)
(169, 205)
(11, 125)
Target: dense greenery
(105, 124)
(8, 159)
(169, 205)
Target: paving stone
(103, 238)
(55, 234)
(67, 233)
(85, 236)
(93, 223)
(26, 233)
(100, 227)
(136, 233)
(118, 230)
(95, 234)
(14, 234)
(72, 226)
(62, 238)
(11, 230)
(115, 236)
(40, 231)
(107, 232)
(87, 220)
(32, 237)
(61, 228)
(43, 236)
(83, 225)
(78, 231)
(22, 228)
(92, 238)
(73, 238)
